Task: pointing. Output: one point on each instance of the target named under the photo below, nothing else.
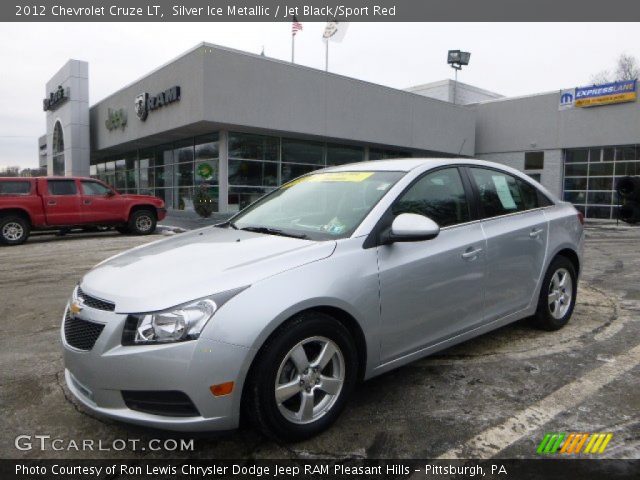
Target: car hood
(196, 264)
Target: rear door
(516, 231)
(432, 290)
(100, 203)
(62, 202)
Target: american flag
(296, 26)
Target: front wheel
(142, 222)
(302, 377)
(14, 230)
(557, 295)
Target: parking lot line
(492, 441)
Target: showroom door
(431, 290)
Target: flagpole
(326, 56)
(293, 43)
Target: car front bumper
(98, 377)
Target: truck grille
(169, 403)
(81, 334)
(96, 303)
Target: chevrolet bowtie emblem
(75, 308)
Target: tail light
(581, 218)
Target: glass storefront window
(341, 154)
(253, 147)
(579, 169)
(575, 197)
(600, 169)
(383, 154)
(595, 155)
(627, 168)
(599, 198)
(577, 155)
(240, 198)
(291, 171)
(302, 151)
(601, 183)
(184, 174)
(183, 152)
(250, 173)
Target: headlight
(184, 322)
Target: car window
(15, 188)
(529, 194)
(62, 187)
(319, 206)
(499, 192)
(439, 195)
(94, 188)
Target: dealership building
(238, 125)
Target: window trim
(75, 182)
(82, 182)
(384, 222)
(483, 216)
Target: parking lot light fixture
(457, 59)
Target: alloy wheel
(560, 293)
(309, 380)
(12, 231)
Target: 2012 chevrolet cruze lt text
(337, 276)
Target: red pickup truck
(46, 203)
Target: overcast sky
(508, 58)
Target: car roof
(408, 164)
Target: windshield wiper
(274, 231)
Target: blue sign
(615, 92)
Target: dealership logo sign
(55, 99)
(116, 119)
(596, 95)
(145, 103)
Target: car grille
(81, 334)
(168, 403)
(96, 303)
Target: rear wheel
(302, 378)
(142, 222)
(557, 295)
(14, 230)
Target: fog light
(221, 389)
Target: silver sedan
(335, 277)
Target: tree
(627, 68)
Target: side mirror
(411, 227)
(110, 194)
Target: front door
(100, 203)
(432, 290)
(62, 202)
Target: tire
(14, 230)
(142, 222)
(328, 387)
(553, 313)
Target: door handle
(471, 254)
(535, 233)
(87, 202)
(51, 202)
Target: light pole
(457, 59)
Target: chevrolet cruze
(335, 277)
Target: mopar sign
(616, 92)
(567, 98)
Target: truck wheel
(14, 230)
(306, 372)
(142, 222)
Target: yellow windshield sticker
(331, 177)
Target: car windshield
(318, 206)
